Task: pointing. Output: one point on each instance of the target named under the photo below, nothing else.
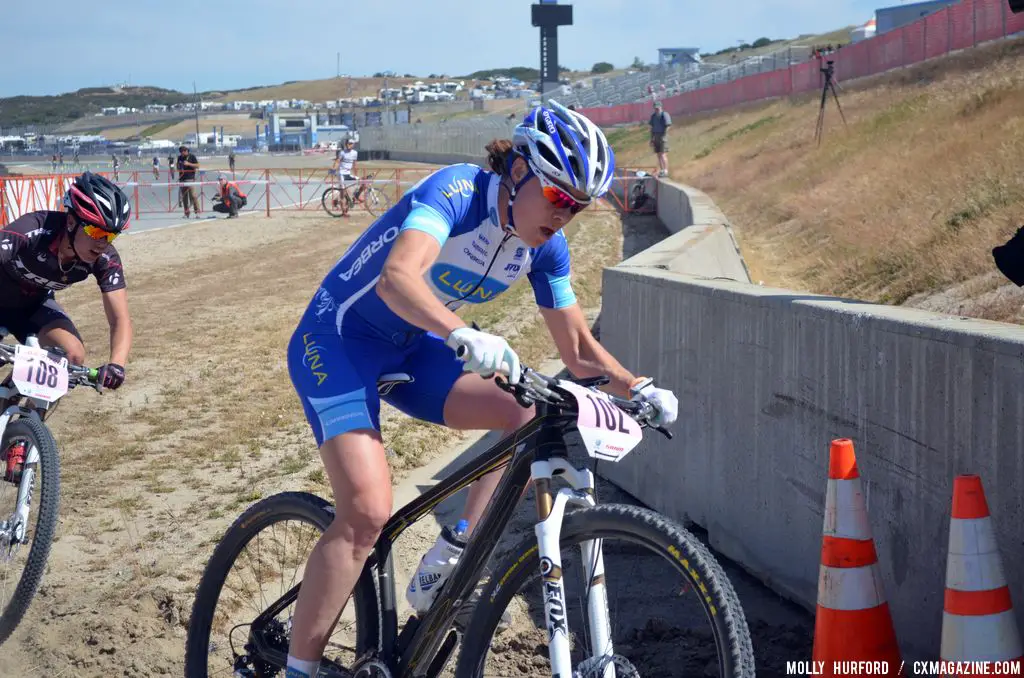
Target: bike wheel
(44, 480)
(219, 638)
(712, 638)
(377, 201)
(332, 201)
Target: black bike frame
(541, 438)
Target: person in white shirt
(344, 162)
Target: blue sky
(63, 45)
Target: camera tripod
(829, 85)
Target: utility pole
(195, 96)
(339, 66)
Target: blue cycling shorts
(335, 377)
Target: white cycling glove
(664, 401)
(485, 353)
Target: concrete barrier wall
(766, 378)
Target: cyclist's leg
(51, 323)
(443, 394)
(346, 199)
(336, 382)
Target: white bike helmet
(567, 147)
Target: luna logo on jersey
(461, 284)
(312, 359)
(462, 187)
(367, 253)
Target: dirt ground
(207, 424)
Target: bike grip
(664, 431)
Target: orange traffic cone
(977, 618)
(852, 622)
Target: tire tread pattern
(46, 523)
(651, 527)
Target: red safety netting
(956, 27)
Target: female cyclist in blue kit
(461, 235)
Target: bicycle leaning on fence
(30, 463)
(235, 627)
(376, 201)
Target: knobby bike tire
(327, 201)
(277, 508)
(642, 527)
(46, 522)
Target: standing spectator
(60, 160)
(53, 163)
(231, 162)
(156, 168)
(230, 198)
(187, 166)
(116, 162)
(660, 122)
(170, 172)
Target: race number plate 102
(608, 432)
(39, 376)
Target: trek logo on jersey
(371, 248)
(312, 358)
(458, 282)
(462, 187)
(38, 279)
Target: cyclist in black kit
(45, 251)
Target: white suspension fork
(18, 524)
(548, 530)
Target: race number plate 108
(39, 376)
(608, 432)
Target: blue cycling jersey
(478, 261)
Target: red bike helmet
(98, 201)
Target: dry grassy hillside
(325, 90)
(902, 207)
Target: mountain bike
(28, 452)
(376, 201)
(237, 627)
(638, 195)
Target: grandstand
(666, 79)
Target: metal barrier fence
(953, 28)
(634, 191)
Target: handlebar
(534, 386)
(78, 375)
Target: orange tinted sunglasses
(558, 196)
(97, 233)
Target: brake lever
(663, 431)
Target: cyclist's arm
(403, 288)
(550, 273)
(434, 210)
(115, 304)
(582, 354)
